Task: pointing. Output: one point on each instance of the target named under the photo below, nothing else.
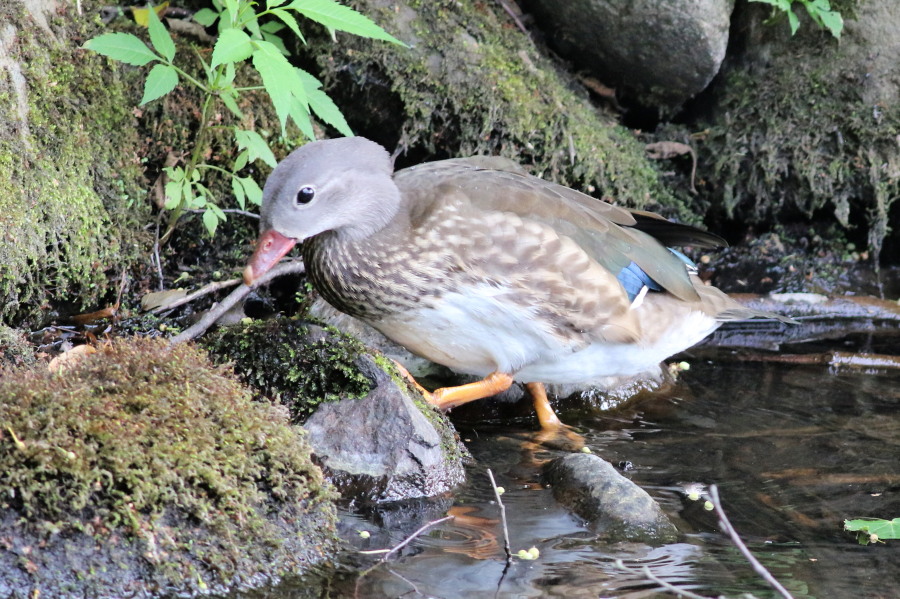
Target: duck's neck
(367, 276)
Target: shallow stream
(794, 450)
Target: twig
(736, 539)
(156, 256)
(646, 573)
(387, 552)
(216, 312)
(512, 13)
(206, 289)
(506, 545)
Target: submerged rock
(613, 505)
(143, 471)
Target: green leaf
(229, 96)
(252, 189)
(794, 21)
(161, 80)
(233, 45)
(210, 221)
(279, 78)
(233, 7)
(866, 527)
(300, 113)
(273, 3)
(238, 190)
(173, 187)
(159, 36)
(322, 105)
(276, 41)
(241, 161)
(271, 26)
(123, 47)
(206, 16)
(343, 18)
(256, 145)
(290, 21)
(833, 21)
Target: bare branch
(736, 539)
(216, 312)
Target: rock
(613, 505)
(147, 471)
(659, 53)
(383, 447)
(377, 439)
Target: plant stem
(191, 166)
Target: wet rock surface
(612, 504)
(383, 447)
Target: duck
(477, 265)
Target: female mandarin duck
(476, 265)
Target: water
(794, 450)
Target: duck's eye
(306, 194)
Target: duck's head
(342, 185)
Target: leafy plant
(246, 33)
(873, 530)
(819, 11)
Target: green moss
(293, 362)
(473, 84)
(14, 348)
(802, 136)
(156, 448)
(70, 202)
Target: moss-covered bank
(145, 469)
(471, 83)
(807, 126)
(71, 203)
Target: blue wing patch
(633, 278)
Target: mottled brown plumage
(481, 267)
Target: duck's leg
(553, 432)
(446, 398)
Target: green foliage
(819, 11)
(246, 33)
(873, 530)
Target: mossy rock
(806, 127)
(71, 193)
(146, 470)
(292, 361)
(472, 84)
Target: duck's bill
(271, 247)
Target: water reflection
(794, 450)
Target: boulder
(658, 53)
(385, 446)
(613, 505)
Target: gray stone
(661, 52)
(612, 504)
(382, 447)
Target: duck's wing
(615, 237)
